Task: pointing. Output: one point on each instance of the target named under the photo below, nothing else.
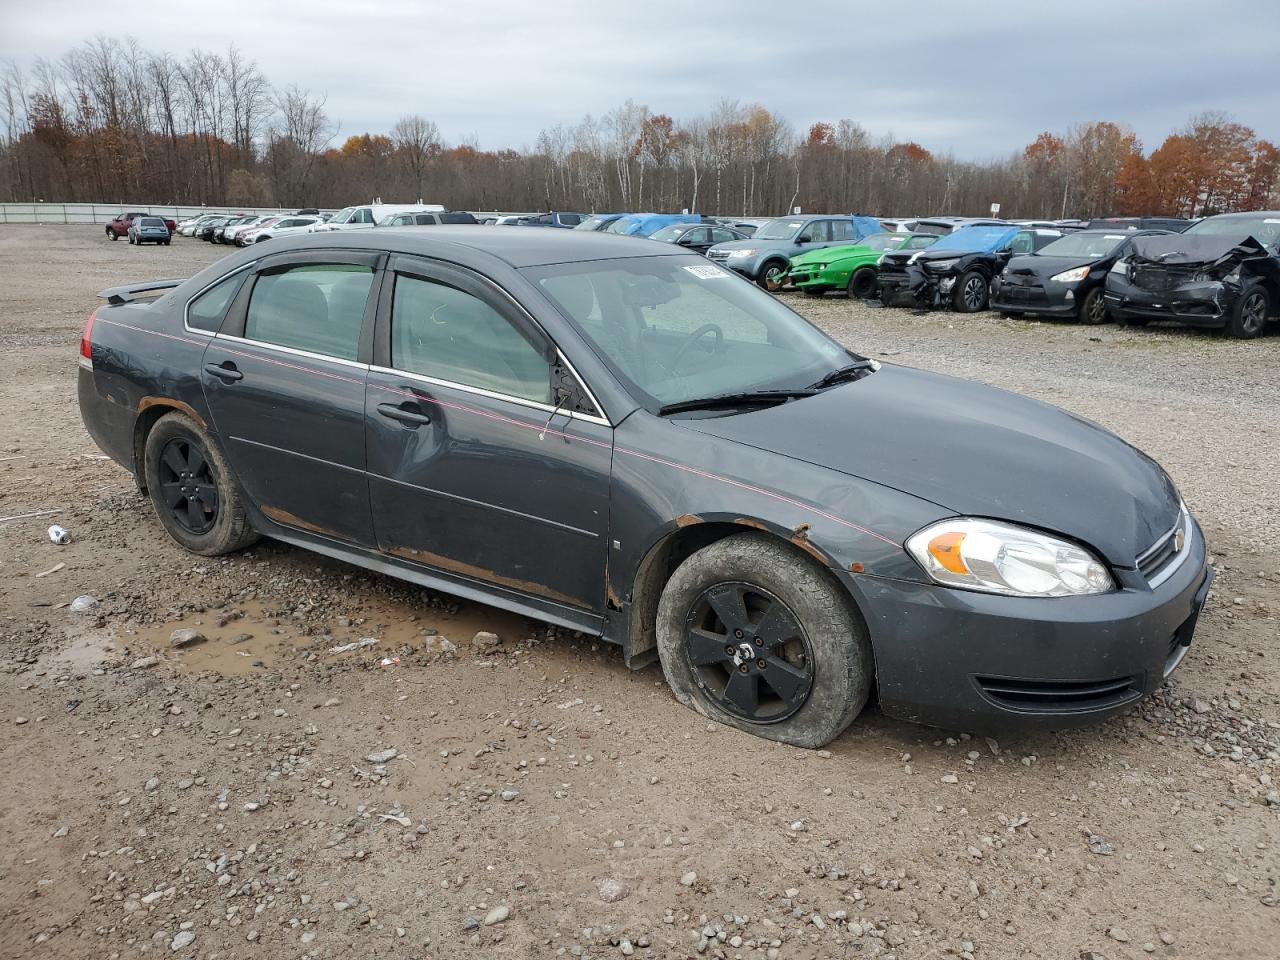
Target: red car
(119, 227)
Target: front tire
(863, 285)
(970, 294)
(771, 275)
(192, 489)
(1093, 309)
(1249, 315)
(756, 636)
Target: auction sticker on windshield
(707, 272)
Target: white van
(368, 215)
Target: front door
(473, 471)
(285, 382)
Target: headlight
(1071, 276)
(880, 260)
(1002, 558)
(735, 254)
(941, 265)
(1120, 266)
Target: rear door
(285, 381)
(476, 468)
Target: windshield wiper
(735, 400)
(852, 371)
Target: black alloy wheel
(1094, 309)
(1252, 313)
(973, 292)
(187, 486)
(749, 652)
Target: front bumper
(1205, 303)
(980, 662)
(1044, 298)
(914, 286)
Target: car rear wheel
(771, 275)
(970, 294)
(191, 488)
(1093, 309)
(863, 284)
(1249, 316)
(756, 636)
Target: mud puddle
(250, 637)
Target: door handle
(225, 371)
(409, 417)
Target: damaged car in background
(618, 437)
(852, 268)
(957, 270)
(1064, 279)
(1223, 272)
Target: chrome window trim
(186, 307)
(495, 395)
(292, 351)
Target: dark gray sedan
(619, 437)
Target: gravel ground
(239, 797)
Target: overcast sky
(979, 79)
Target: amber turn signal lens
(945, 548)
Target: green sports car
(851, 268)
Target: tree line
(112, 121)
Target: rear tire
(970, 294)
(1249, 315)
(1093, 309)
(811, 675)
(192, 489)
(864, 284)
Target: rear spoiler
(138, 291)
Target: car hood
(976, 450)
(1045, 267)
(831, 254)
(1189, 250)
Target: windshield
(1264, 229)
(670, 234)
(975, 238)
(782, 229)
(619, 226)
(1085, 246)
(592, 223)
(917, 241)
(343, 215)
(680, 328)
(880, 242)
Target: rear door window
(445, 333)
(842, 230)
(317, 307)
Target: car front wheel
(1093, 309)
(195, 497)
(863, 284)
(970, 293)
(1249, 315)
(771, 276)
(754, 635)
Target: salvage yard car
(1221, 272)
(854, 268)
(1066, 278)
(766, 257)
(957, 270)
(699, 237)
(622, 438)
(146, 229)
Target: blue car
(766, 257)
(646, 224)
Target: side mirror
(685, 241)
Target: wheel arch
(679, 540)
(149, 412)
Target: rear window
(152, 222)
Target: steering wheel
(693, 338)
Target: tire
(111, 234)
(1249, 314)
(218, 522)
(970, 293)
(826, 658)
(131, 241)
(1093, 308)
(167, 242)
(771, 275)
(864, 284)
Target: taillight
(86, 342)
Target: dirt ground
(230, 800)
